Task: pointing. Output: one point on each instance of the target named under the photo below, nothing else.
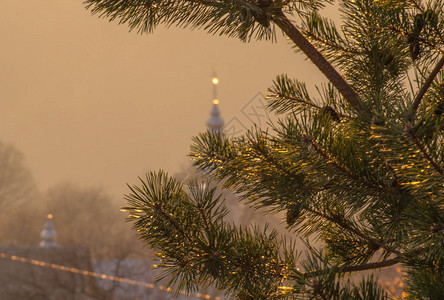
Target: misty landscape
(88, 107)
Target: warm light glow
(50, 216)
(96, 275)
(215, 81)
(215, 101)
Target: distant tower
(215, 123)
(48, 234)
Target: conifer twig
(355, 268)
(159, 209)
(297, 99)
(331, 44)
(423, 149)
(339, 167)
(424, 88)
(353, 230)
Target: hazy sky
(90, 103)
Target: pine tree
(360, 166)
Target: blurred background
(87, 107)
(87, 102)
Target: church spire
(48, 234)
(215, 123)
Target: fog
(90, 103)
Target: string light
(96, 275)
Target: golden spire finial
(215, 123)
(215, 82)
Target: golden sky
(89, 103)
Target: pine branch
(205, 219)
(339, 167)
(347, 188)
(324, 32)
(425, 87)
(395, 176)
(318, 290)
(417, 38)
(279, 103)
(158, 208)
(307, 139)
(324, 66)
(428, 82)
(234, 18)
(329, 43)
(298, 99)
(353, 230)
(206, 203)
(419, 7)
(356, 268)
(272, 161)
(422, 148)
(390, 167)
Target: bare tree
(20, 204)
(16, 182)
(88, 217)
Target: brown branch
(323, 65)
(427, 84)
(356, 268)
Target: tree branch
(159, 209)
(353, 230)
(323, 65)
(297, 99)
(204, 217)
(423, 149)
(341, 168)
(331, 44)
(356, 268)
(427, 84)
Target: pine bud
(328, 110)
(293, 213)
(261, 18)
(415, 49)
(408, 128)
(418, 23)
(372, 246)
